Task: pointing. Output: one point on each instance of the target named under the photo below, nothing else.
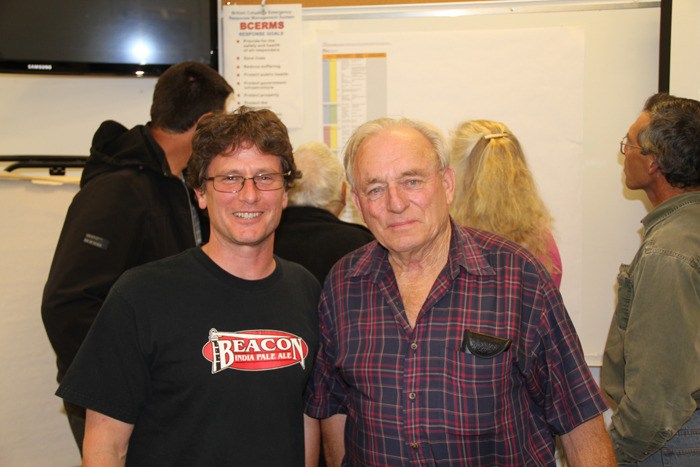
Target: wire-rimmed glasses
(624, 142)
(235, 183)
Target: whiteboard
(498, 60)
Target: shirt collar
(668, 207)
(465, 253)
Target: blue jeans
(683, 450)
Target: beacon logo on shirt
(254, 350)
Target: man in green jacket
(651, 367)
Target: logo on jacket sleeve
(254, 350)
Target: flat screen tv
(113, 37)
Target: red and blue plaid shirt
(418, 396)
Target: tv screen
(116, 37)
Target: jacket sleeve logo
(254, 350)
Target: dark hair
(185, 92)
(655, 99)
(673, 136)
(218, 134)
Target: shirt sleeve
(661, 354)
(325, 394)
(560, 381)
(110, 374)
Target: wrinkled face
(248, 217)
(400, 190)
(637, 165)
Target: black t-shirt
(209, 368)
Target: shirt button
(411, 395)
(414, 445)
(414, 346)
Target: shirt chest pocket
(476, 385)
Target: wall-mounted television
(113, 37)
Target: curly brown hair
(217, 134)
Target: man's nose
(396, 198)
(248, 191)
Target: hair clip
(495, 135)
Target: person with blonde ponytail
(495, 190)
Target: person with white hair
(310, 232)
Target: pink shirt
(555, 270)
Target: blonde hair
(495, 190)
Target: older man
(202, 358)
(443, 345)
(651, 365)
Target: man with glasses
(441, 344)
(651, 364)
(202, 358)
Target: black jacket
(130, 210)
(316, 239)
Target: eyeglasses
(624, 143)
(235, 183)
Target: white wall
(32, 431)
(685, 43)
(57, 115)
(43, 115)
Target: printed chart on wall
(354, 91)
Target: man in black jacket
(132, 208)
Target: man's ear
(449, 181)
(356, 202)
(201, 198)
(201, 117)
(337, 207)
(344, 193)
(653, 165)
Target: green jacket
(651, 365)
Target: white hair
(372, 127)
(322, 178)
